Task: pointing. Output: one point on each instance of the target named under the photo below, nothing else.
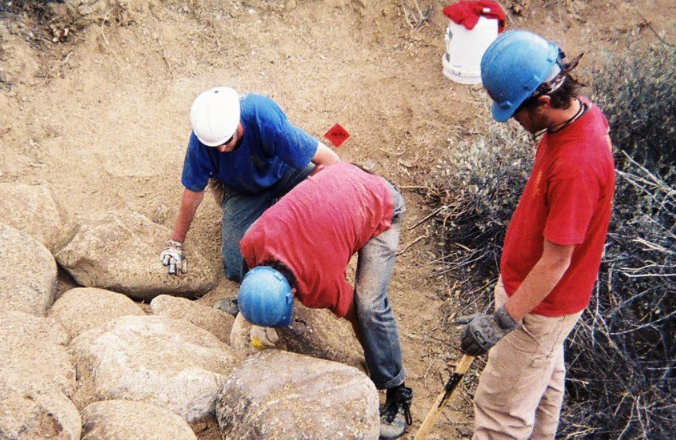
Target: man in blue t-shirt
(250, 153)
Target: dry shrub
(621, 357)
(475, 194)
(637, 93)
(39, 10)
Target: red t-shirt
(317, 227)
(568, 201)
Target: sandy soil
(100, 114)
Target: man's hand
(172, 256)
(263, 337)
(484, 331)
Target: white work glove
(263, 337)
(172, 256)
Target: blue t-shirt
(269, 146)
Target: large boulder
(31, 210)
(28, 277)
(33, 350)
(35, 412)
(313, 332)
(166, 362)
(119, 251)
(36, 379)
(124, 420)
(278, 395)
(213, 320)
(85, 308)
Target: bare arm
(325, 155)
(186, 213)
(541, 280)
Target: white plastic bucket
(464, 49)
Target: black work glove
(484, 331)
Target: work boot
(395, 415)
(228, 305)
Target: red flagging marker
(337, 135)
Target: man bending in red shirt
(554, 242)
(301, 247)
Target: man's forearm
(541, 280)
(324, 155)
(186, 213)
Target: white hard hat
(215, 115)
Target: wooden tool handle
(443, 398)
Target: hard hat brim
(499, 114)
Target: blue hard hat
(513, 67)
(265, 297)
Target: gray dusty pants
(241, 210)
(380, 335)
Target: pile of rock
(95, 364)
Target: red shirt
(317, 227)
(568, 201)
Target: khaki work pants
(521, 389)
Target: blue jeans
(241, 210)
(380, 337)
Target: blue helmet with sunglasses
(513, 68)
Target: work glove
(228, 305)
(484, 331)
(172, 256)
(263, 337)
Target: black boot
(395, 415)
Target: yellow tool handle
(443, 398)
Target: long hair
(564, 95)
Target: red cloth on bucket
(467, 13)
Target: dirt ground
(97, 109)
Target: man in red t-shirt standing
(554, 242)
(301, 247)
